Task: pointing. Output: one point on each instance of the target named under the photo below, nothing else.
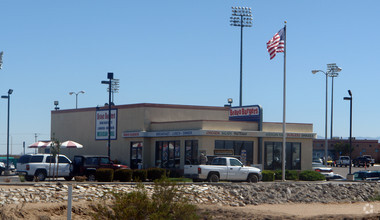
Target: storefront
(170, 136)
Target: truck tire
(68, 178)
(29, 178)
(41, 175)
(213, 178)
(252, 178)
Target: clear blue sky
(185, 52)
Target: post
(109, 119)
(7, 168)
(241, 63)
(69, 201)
(326, 141)
(350, 135)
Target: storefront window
(241, 149)
(136, 155)
(191, 152)
(168, 154)
(273, 156)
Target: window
(235, 162)
(92, 161)
(242, 149)
(36, 159)
(104, 160)
(219, 161)
(191, 152)
(168, 154)
(63, 160)
(273, 156)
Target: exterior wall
(79, 125)
(360, 147)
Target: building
(359, 147)
(170, 136)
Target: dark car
(86, 165)
(367, 175)
(361, 161)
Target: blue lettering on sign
(187, 132)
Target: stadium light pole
(350, 99)
(241, 17)
(10, 91)
(334, 72)
(109, 83)
(331, 69)
(76, 97)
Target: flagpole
(284, 112)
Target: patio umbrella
(71, 144)
(38, 144)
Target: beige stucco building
(170, 136)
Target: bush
(156, 173)
(123, 175)
(104, 175)
(139, 175)
(311, 175)
(291, 175)
(268, 175)
(166, 202)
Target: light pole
(10, 91)
(350, 98)
(241, 17)
(76, 97)
(330, 69)
(333, 73)
(109, 83)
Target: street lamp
(334, 72)
(10, 91)
(350, 98)
(331, 69)
(76, 97)
(109, 83)
(241, 17)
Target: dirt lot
(82, 210)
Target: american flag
(277, 43)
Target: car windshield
(318, 165)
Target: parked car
(343, 161)
(41, 166)
(223, 168)
(371, 160)
(336, 177)
(86, 165)
(361, 161)
(323, 169)
(367, 175)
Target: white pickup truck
(223, 168)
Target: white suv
(41, 166)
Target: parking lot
(344, 170)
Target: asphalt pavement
(345, 170)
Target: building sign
(246, 113)
(223, 152)
(135, 134)
(101, 124)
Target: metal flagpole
(284, 112)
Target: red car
(86, 165)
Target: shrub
(156, 173)
(268, 175)
(139, 175)
(311, 175)
(291, 175)
(123, 175)
(104, 175)
(167, 202)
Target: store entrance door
(136, 155)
